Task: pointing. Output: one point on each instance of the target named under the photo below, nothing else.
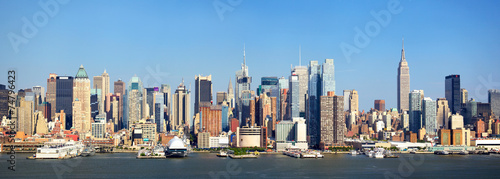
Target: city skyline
(446, 49)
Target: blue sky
(181, 39)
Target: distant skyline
(181, 39)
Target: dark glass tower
(64, 98)
(452, 92)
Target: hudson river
(206, 165)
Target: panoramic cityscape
(239, 89)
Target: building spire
(244, 70)
(403, 58)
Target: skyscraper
(51, 94)
(221, 97)
(464, 96)
(303, 78)
(313, 112)
(119, 87)
(403, 82)
(4, 101)
(294, 103)
(230, 95)
(167, 97)
(134, 99)
(354, 101)
(380, 105)
(429, 116)
(25, 114)
(105, 81)
(64, 99)
(347, 98)
(243, 81)
(98, 86)
(332, 120)
(159, 111)
(180, 108)
(415, 111)
(452, 92)
(211, 120)
(442, 114)
(494, 100)
(203, 92)
(81, 101)
(328, 77)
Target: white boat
(59, 150)
(464, 152)
(176, 148)
(222, 153)
(378, 153)
(353, 153)
(370, 154)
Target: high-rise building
(452, 92)
(354, 101)
(347, 98)
(243, 81)
(211, 120)
(284, 109)
(429, 116)
(225, 117)
(159, 111)
(380, 105)
(106, 84)
(94, 102)
(134, 98)
(64, 99)
(464, 96)
(98, 85)
(81, 101)
(403, 82)
(203, 92)
(415, 111)
(119, 87)
(328, 77)
(221, 97)
(39, 91)
(294, 102)
(25, 112)
(442, 114)
(494, 100)
(303, 79)
(51, 93)
(270, 86)
(332, 121)
(165, 89)
(314, 92)
(4, 101)
(180, 108)
(230, 95)
(283, 83)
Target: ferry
(176, 148)
(59, 150)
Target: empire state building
(403, 82)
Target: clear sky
(181, 39)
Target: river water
(206, 165)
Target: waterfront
(208, 165)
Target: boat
(59, 150)
(370, 154)
(222, 154)
(377, 153)
(353, 153)
(176, 148)
(443, 152)
(464, 152)
(88, 151)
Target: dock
(151, 157)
